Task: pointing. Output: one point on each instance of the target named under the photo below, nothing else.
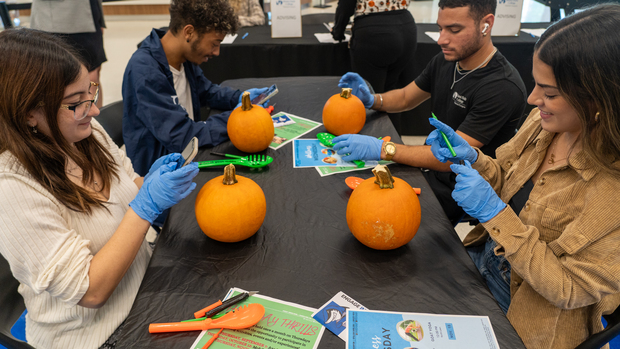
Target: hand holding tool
(458, 148)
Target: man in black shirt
(472, 87)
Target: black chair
(111, 118)
(610, 332)
(12, 305)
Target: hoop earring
(34, 129)
(596, 116)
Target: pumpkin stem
(346, 92)
(383, 177)
(229, 175)
(246, 104)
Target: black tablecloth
(304, 252)
(260, 56)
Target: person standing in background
(383, 43)
(80, 24)
(249, 12)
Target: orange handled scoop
(242, 317)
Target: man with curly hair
(164, 87)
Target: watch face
(390, 148)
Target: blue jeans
(495, 270)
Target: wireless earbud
(486, 27)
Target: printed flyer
(288, 127)
(330, 170)
(382, 329)
(285, 325)
(333, 314)
(311, 153)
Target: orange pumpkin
(250, 127)
(383, 212)
(344, 113)
(230, 208)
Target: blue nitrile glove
(166, 159)
(163, 189)
(440, 149)
(359, 147)
(359, 88)
(255, 92)
(474, 194)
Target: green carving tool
(445, 138)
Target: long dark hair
(583, 51)
(35, 69)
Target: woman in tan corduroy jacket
(549, 240)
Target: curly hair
(204, 15)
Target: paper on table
(534, 32)
(229, 39)
(332, 314)
(326, 38)
(330, 170)
(330, 25)
(367, 329)
(285, 325)
(287, 133)
(433, 35)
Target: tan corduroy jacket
(564, 247)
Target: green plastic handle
(445, 139)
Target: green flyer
(330, 170)
(292, 127)
(284, 326)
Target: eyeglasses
(81, 109)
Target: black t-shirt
(486, 104)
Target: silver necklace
(454, 80)
(82, 179)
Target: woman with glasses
(73, 213)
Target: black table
(260, 56)
(304, 252)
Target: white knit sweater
(49, 248)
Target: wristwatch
(390, 150)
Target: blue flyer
(333, 314)
(382, 329)
(311, 153)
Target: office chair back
(12, 305)
(610, 332)
(111, 118)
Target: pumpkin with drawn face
(230, 208)
(383, 211)
(344, 113)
